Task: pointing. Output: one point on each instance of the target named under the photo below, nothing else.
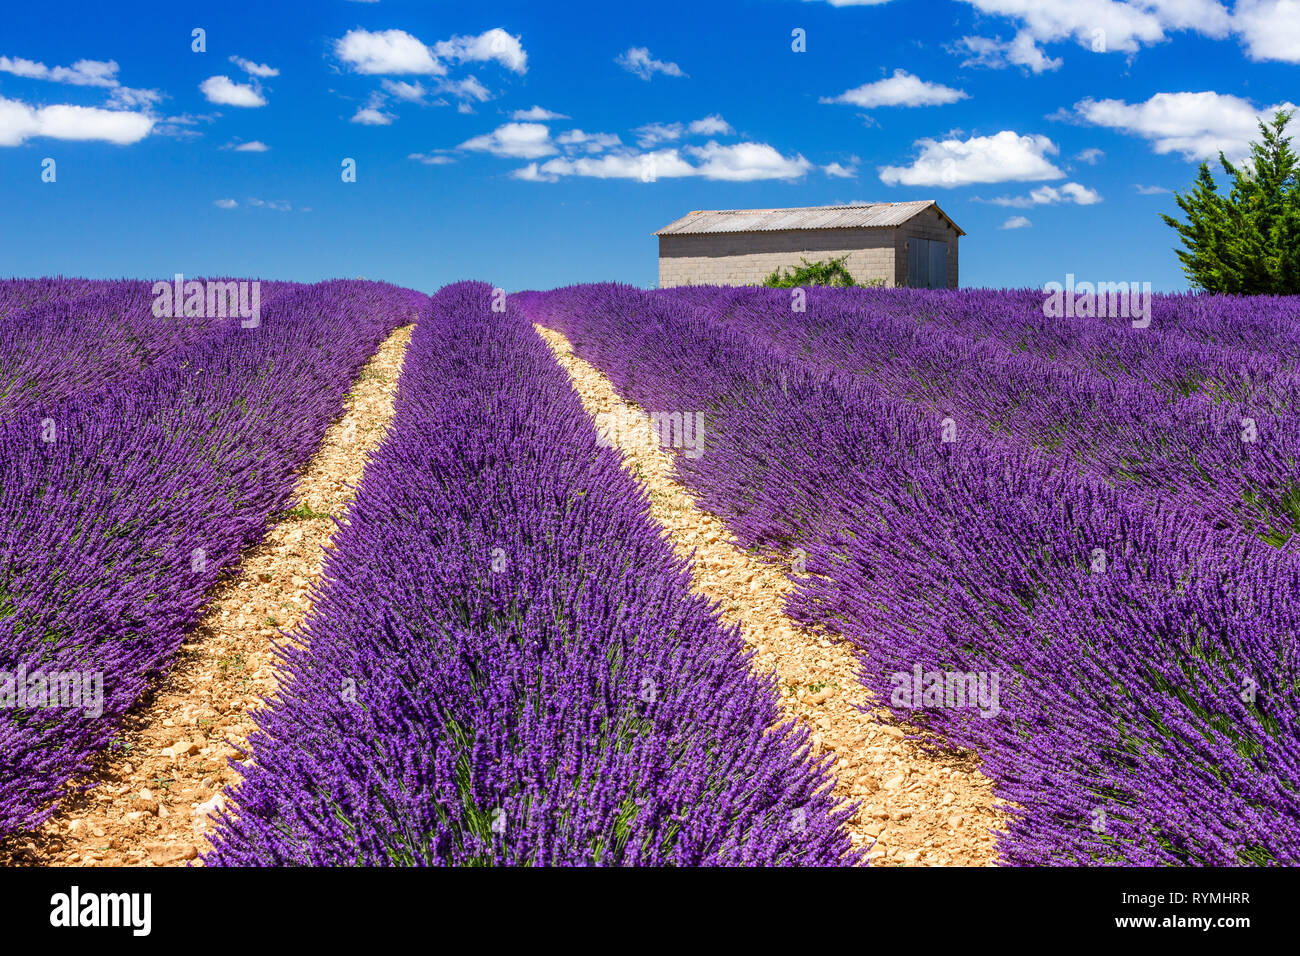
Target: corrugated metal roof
(884, 215)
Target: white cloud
(226, 92)
(1197, 125)
(994, 53)
(537, 114)
(100, 73)
(652, 134)
(739, 162)
(840, 171)
(744, 162)
(901, 89)
(589, 142)
(279, 205)
(372, 116)
(410, 92)
(1052, 195)
(1090, 156)
(432, 159)
(711, 125)
(254, 69)
(1151, 190)
(467, 89)
(1107, 25)
(851, 3)
(1004, 157)
(225, 203)
(82, 73)
(494, 44)
(1270, 28)
(514, 140)
(20, 122)
(386, 51)
(252, 146)
(125, 98)
(1016, 222)
(638, 60)
(648, 167)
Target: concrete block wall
(927, 225)
(747, 258)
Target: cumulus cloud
(279, 205)
(395, 52)
(20, 122)
(840, 171)
(410, 92)
(1090, 156)
(386, 52)
(638, 60)
(994, 53)
(1151, 190)
(1003, 157)
(1075, 193)
(1104, 25)
(537, 114)
(434, 158)
(467, 89)
(588, 142)
(743, 162)
(82, 73)
(1016, 222)
(515, 140)
(372, 116)
(738, 162)
(901, 89)
(224, 91)
(1196, 125)
(1270, 29)
(652, 134)
(711, 125)
(225, 203)
(494, 44)
(100, 73)
(252, 146)
(254, 69)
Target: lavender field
(1066, 549)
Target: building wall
(927, 225)
(747, 258)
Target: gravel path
(150, 795)
(918, 807)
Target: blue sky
(535, 145)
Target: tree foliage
(821, 272)
(1247, 240)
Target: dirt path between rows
(918, 807)
(151, 793)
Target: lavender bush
(126, 490)
(1145, 655)
(507, 665)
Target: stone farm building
(903, 243)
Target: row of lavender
(92, 336)
(138, 456)
(1130, 678)
(507, 665)
(1215, 429)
